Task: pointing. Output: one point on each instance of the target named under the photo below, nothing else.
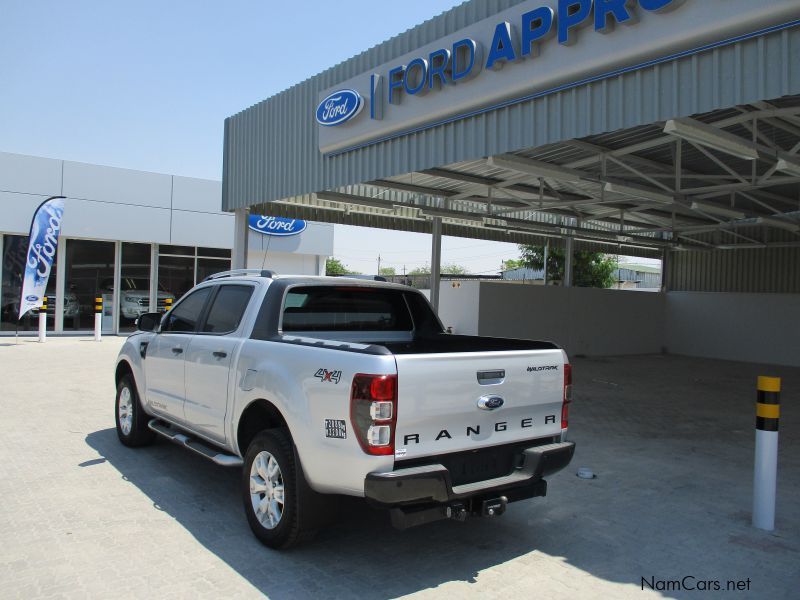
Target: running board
(225, 460)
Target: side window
(228, 308)
(184, 317)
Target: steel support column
(568, 251)
(436, 261)
(61, 276)
(240, 236)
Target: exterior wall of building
(114, 204)
(761, 328)
(138, 240)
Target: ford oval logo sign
(490, 402)
(339, 107)
(276, 225)
(31, 298)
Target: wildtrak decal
(543, 368)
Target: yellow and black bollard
(765, 477)
(98, 317)
(167, 304)
(43, 320)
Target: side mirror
(148, 322)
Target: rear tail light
(567, 396)
(373, 412)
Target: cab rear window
(340, 308)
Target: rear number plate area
(480, 465)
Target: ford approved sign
(276, 225)
(339, 107)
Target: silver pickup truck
(321, 386)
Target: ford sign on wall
(276, 225)
(339, 107)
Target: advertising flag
(42, 245)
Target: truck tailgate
(440, 396)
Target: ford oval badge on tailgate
(490, 402)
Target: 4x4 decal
(330, 376)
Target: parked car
(11, 297)
(134, 298)
(320, 386)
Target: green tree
(454, 269)
(387, 271)
(424, 270)
(512, 263)
(334, 266)
(590, 269)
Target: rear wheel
(274, 490)
(132, 429)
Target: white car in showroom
(135, 296)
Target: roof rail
(237, 272)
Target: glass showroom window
(180, 267)
(175, 272)
(15, 248)
(134, 293)
(212, 260)
(89, 275)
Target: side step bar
(172, 434)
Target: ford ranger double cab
(319, 387)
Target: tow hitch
(405, 517)
(494, 507)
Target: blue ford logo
(490, 402)
(31, 298)
(276, 225)
(339, 107)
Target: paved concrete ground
(671, 439)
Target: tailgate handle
(491, 377)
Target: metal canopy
(727, 179)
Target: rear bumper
(432, 483)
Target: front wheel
(132, 429)
(272, 491)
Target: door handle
(177, 350)
(220, 354)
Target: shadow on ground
(361, 555)
(671, 439)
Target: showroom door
(208, 361)
(89, 274)
(166, 355)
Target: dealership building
(138, 240)
(665, 129)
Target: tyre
(131, 420)
(274, 491)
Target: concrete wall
(458, 306)
(757, 328)
(581, 320)
(761, 328)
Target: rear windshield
(340, 308)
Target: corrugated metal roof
(271, 148)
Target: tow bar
(494, 507)
(405, 517)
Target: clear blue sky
(147, 85)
